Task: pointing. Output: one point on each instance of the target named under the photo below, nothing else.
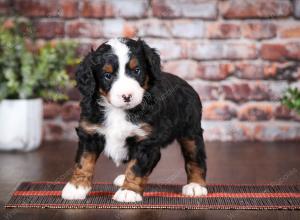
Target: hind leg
(195, 165)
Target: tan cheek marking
(107, 68)
(83, 172)
(133, 182)
(133, 63)
(194, 172)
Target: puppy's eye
(107, 76)
(137, 71)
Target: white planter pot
(21, 124)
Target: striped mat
(161, 196)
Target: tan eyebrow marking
(133, 63)
(108, 68)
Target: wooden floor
(272, 163)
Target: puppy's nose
(126, 97)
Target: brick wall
(240, 55)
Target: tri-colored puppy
(130, 110)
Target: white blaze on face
(124, 85)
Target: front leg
(80, 184)
(136, 175)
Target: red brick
(276, 89)
(255, 8)
(218, 50)
(81, 28)
(168, 49)
(282, 71)
(249, 71)
(70, 111)
(53, 8)
(217, 30)
(4, 7)
(282, 112)
(189, 69)
(276, 52)
(219, 110)
(51, 110)
(206, 9)
(187, 29)
(206, 90)
(243, 91)
(281, 52)
(68, 8)
(259, 30)
(117, 28)
(96, 9)
(104, 8)
(293, 49)
(277, 131)
(186, 69)
(53, 131)
(258, 131)
(289, 29)
(36, 8)
(153, 28)
(279, 71)
(255, 112)
(297, 8)
(215, 71)
(226, 131)
(49, 28)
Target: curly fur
(170, 108)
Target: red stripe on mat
(168, 194)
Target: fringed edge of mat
(178, 207)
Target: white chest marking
(116, 129)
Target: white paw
(119, 180)
(124, 195)
(194, 189)
(71, 192)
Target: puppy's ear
(152, 59)
(84, 76)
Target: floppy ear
(84, 76)
(152, 59)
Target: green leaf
(291, 99)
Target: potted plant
(27, 76)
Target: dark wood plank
(246, 162)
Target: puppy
(130, 109)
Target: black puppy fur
(170, 107)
